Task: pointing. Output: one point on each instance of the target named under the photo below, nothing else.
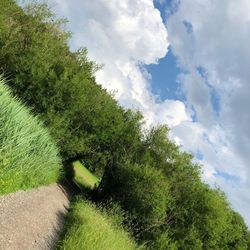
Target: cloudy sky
(181, 62)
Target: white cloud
(123, 35)
(219, 45)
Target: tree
(59, 85)
(143, 192)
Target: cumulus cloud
(215, 55)
(123, 36)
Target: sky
(183, 63)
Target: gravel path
(32, 219)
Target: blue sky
(164, 74)
(164, 82)
(184, 63)
(164, 77)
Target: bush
(28, 158)
(197, 217)
(89, 228)
(143, 192)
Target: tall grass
(28, 158)
(90, 229)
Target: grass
(83, 177)
(28, 157)
(90, 229)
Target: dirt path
(32, 219)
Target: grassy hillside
(28, 158)
(90, 229)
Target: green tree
(59, 85)
(143, 191)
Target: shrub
(28, 158)
(143, 192)
(91, 229)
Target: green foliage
(143, 191)
(236, 236)
(91, 229)
(164, 242)
(198, 217)
(172, 207)
(83, 118)
(28, 158)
